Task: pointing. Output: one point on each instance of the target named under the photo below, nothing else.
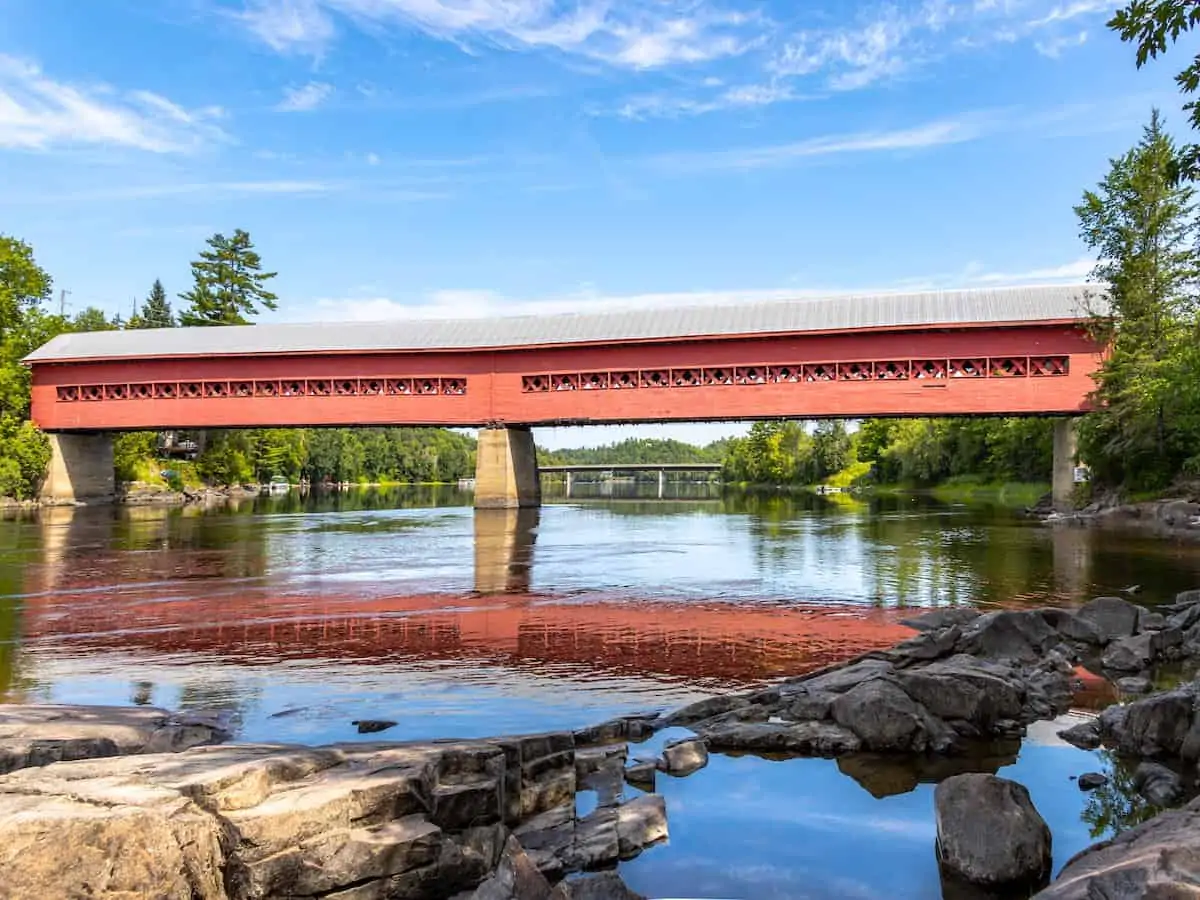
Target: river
(302, 614)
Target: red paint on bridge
(1041, 368)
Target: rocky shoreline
(1177, 517)
(157, 804)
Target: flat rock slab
(40, 734)
(366, 820)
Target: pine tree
(156, 311)
(1142, 224)
(229, 283)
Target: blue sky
(463, 157)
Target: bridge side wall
(498, 387)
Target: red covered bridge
(1011, 351)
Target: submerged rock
(373, 726)
(1092, 780)
(989, 834)
(685, 756)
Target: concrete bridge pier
(662, 482)
(81, 468)
(506, 469)
(1062, 485)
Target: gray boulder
(808, 705)
(988, 832)
(641, 823)
(1150, 727)
(1129, 654)
(704, 709)
(883, 716)
(939, 619)
(840, 680)
(963, 688)
(1071, 626)
(1112, 617)
(1089, 781)
(1157, 783)
(1023, 635)
(803, 739)
(685, 756)
(1188, 597)
(1134, 684)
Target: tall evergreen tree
(156, 310)
(229, 283)
(1141, 222)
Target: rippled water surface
(300, 615)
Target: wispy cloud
(39, 113)
(1054, 47)
(931, 134)
(1067, 11)
(304, 98)
(668, 105)
(635, 34)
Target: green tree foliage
(1142, 224)
(635, 450)
(92, 319)
(131, 450)
(23, 285)
(229, 283)
(357, 455)
(24, 456)
(156, 310)
(1153, 25)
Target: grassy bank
(971, 490)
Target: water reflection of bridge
(79, 601)
(605, 472)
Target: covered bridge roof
(1058, 303)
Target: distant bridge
(634, 467)
(1011, 351)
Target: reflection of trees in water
(1116, 806)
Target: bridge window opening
(750, 375)
(292, 389)
(1009, 367)
(655, 378)
(929, 368)
(786, 374)
(428, 386)
(242, 388)
(320, 388)
(594, 381)
(820, 372)
(1048, 365)
(624, 380)
(115, 391)
(565, 382)
(266, 388)
(166, 391)
(141, 391)
(68, 393)
(191, 390)
(718, 376)
(535, 384)
(93, 392)
(686, 377)
(454, 387)
(399, 387)
(968, 368)
(891, 370)
(855, 371)
(346, 387)
(372, 387)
